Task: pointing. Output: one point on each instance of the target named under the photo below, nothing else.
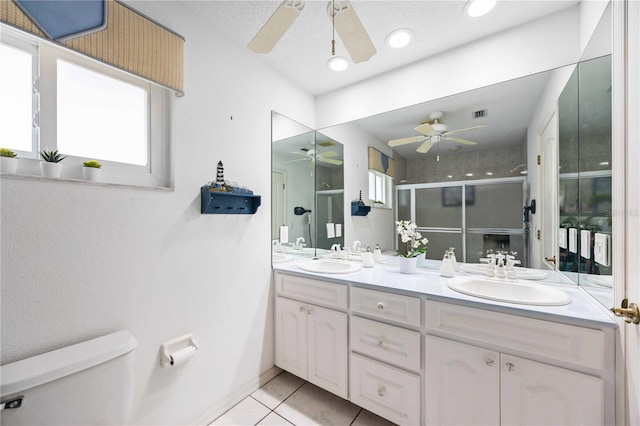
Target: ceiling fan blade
(425, 147)
(352, 33)
(328, 154)
(464, 130)
(425, 129)
(278, 24)
(330, 161)
(404, 141)
(462, 141)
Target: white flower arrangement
(414, 243)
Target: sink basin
(280, 257)
(521, 273)
(509, 291)
(328, 266)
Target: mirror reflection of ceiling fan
(344, 19)
(433, 131)
(312, 156)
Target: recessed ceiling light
(524, 172)
(476, 8)
(469, 174)
(603, 163)
(450, 177)
(338, 63)
(399, 38)
(489, 173)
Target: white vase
(407, 265)
(52, 170)
(8, 165)
(91, 173)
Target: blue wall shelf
(357, 210)
(227, 202)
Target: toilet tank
(90, 383)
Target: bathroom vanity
(413, 351)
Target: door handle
(629, 311)
(551, 259)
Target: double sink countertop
(583, 310)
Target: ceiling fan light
(477, 8)
(337, 63)
(399, 38)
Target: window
(18, 100)
(112, 113)
(379, 189)
(87, 110)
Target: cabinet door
(291, 336)
(462, 384)
(327, 349)
(539, 394)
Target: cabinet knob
(510, 366)
(380, 305)
(381, 391)
(301, 308)
(490, 362)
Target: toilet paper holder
(178, 350)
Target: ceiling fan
(343, 17)
(433, 131)
(312, 155)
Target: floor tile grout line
(290, 395)
(354, 419)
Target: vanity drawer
(579, 346)
(385, 342)
(313, 291)
(393, 307)
(386, 391)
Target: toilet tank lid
(40, 369)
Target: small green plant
(6, 152)
(92, 163)
(52, 156)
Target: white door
(632, 279)
(462, 384)
(278, 203)
(534, 393)
(548, 208)
(327, 349)
(291, 336)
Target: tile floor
(288, 400)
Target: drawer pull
(301, 308)
(381, 391)
(490, 362)
(380, 343)
(510, 366)
(380, 306)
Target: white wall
(80, 261)
(377, 226)
(538, 46)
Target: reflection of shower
(299, 211)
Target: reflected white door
(278, 203)
(549, 184)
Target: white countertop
(583, 310)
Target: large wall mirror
(307, 185)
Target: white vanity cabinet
(311, 340)
(472, 385)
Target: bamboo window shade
(130, 42)
(381, 163)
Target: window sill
(84, 182)
(380, 206)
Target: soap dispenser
(377, 254)
(452, 255)
(446, 269)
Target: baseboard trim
(244, 391)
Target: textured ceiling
(303, 51)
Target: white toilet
(90, 383)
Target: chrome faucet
(299, 243)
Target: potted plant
(91, 170)
(414, 245)
(8, 161)
(50, 166)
